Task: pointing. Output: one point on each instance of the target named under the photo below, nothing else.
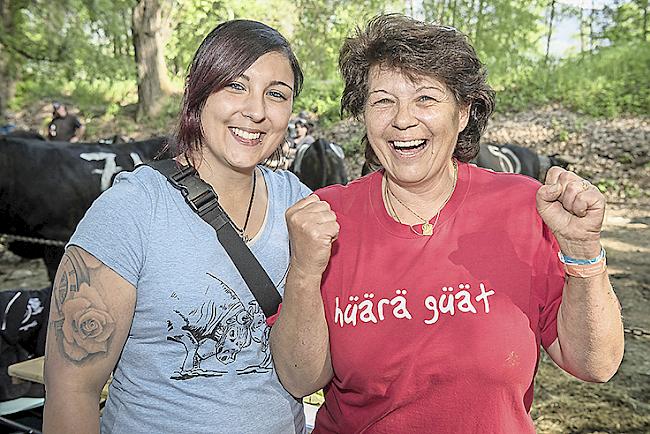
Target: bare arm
(300, 339)
(90, 316)
(590, 330)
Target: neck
(414, 204)
(242, 194)
(228, 183)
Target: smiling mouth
(245, 134)
(410, 147)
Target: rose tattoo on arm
(80, 318)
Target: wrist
(584, 268)
(304, 274)
(580, 249)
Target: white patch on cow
(110, 168)
(136, 158)
(28, 326)
(513, 158)
(11, 302)
(337, 150)
(34, 307)
(505, 161)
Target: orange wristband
(586, 270)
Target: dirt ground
(615, 156)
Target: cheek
(376, 122)
(280, 119)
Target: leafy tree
(30, 32)
(150, 29)
(625, 22)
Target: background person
(302, 134)
(146, 291)
(444, 278)
(64, 127)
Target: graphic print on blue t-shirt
(215, 331)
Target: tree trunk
(441, 12)
(150, 28)
(582, 30)
(591, 26)
(479, 22)
(644, 35)
(453, 14)
(550, 31)
(8, 66)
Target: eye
(381, 101)
(277, 95)
(427, 98)
(236, 86)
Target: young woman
(146, 291)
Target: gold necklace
(427, 228)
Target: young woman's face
(244, 122)
(412, 125)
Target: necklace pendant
(427, 229)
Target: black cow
(516, 159)
(319, 164)
(508, 158)
(46, 187)
(24, 134)
(23, 327)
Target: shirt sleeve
(298, 189)
(115, 228)
(550, 296)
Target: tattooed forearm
(80, 318)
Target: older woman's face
(412, 125)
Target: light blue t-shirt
(197, 357)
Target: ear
(463, 116)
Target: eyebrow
(430, 87)
(273, 83)
(419, 89)
(281, 83)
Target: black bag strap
(202, 198)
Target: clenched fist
(312, 230)
(574, 210)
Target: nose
(403, 118)
(255, 109)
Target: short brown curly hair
(417, 48)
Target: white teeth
(409, 144)
(246, 135)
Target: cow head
(233, 334)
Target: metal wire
(7, 238)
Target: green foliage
(321, 28)
(321, 98)
(194, 19)
(608, 83)
(628, 19)
(81, 51)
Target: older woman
(444, 279)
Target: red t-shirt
(439, 334)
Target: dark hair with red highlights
(225, 54)
(418, 48)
